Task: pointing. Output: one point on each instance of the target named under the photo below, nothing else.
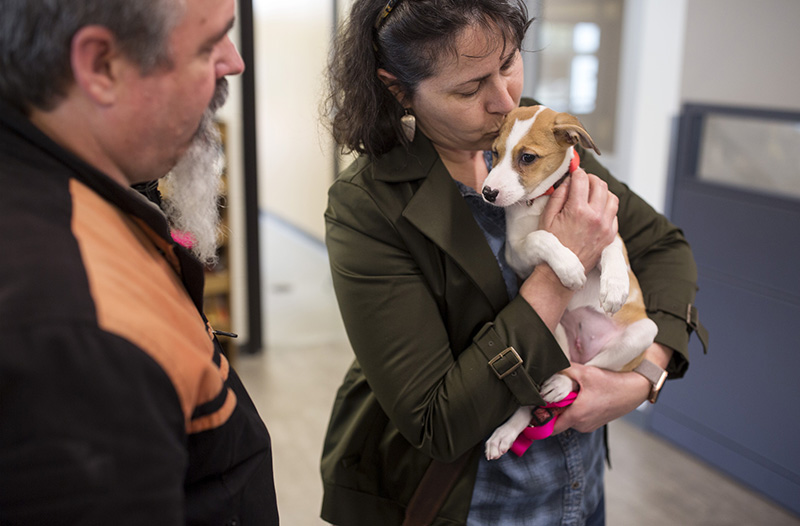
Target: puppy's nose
(489, 194)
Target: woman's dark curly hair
(408, 43)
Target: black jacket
(117, 405)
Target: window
(752, 153)
(575, 64)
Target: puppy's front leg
(614, 281)
(543, 247)
(505, 435)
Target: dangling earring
(409, 125)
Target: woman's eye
(527, 158)
(508, 63)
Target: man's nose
(231, 62)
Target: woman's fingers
(582, 216)
(598, 193)
(555, 204)
(579, 187)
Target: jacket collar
(401, 165)
(20, 137)
(438, 211)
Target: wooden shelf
(217, 292)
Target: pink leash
(548, 414)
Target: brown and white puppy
(605, 324)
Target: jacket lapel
(438, 211)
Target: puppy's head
(532, 153)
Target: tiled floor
(293, 383)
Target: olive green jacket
(426, 310)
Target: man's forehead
(206, 12)
(203, 20)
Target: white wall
(295, 153)
(743, 52)
(649, 98)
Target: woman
(429, 305)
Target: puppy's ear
(568, 130)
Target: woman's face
(463, 105)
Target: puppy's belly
(588, 331)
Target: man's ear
(95, 58)
(390, 81)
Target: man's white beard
(192, 188)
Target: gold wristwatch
(655, 375)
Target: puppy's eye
(527, 158)
(495, 155)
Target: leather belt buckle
(506, 362)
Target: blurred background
(695, 104)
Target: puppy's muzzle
(489, 194)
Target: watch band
(655, 375)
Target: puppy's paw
(613, 291)
(500, 442)
(570, 272)
(556, 388)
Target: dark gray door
(736, 194)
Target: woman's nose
(501, 100)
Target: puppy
(605, 324)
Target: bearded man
(117, 405)
(192, 187)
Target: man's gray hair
(36, 37)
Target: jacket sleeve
(444, 401)
(92, 431)
(662, 260)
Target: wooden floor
(294, 380)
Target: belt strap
(433, 489)
(506, 363)
(685, 311)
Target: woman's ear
(390, 81)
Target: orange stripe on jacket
(139, 297)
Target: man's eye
(527, 158)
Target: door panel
(737, 407)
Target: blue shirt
(559, 480)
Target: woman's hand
(604, 395)
(583, 216)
